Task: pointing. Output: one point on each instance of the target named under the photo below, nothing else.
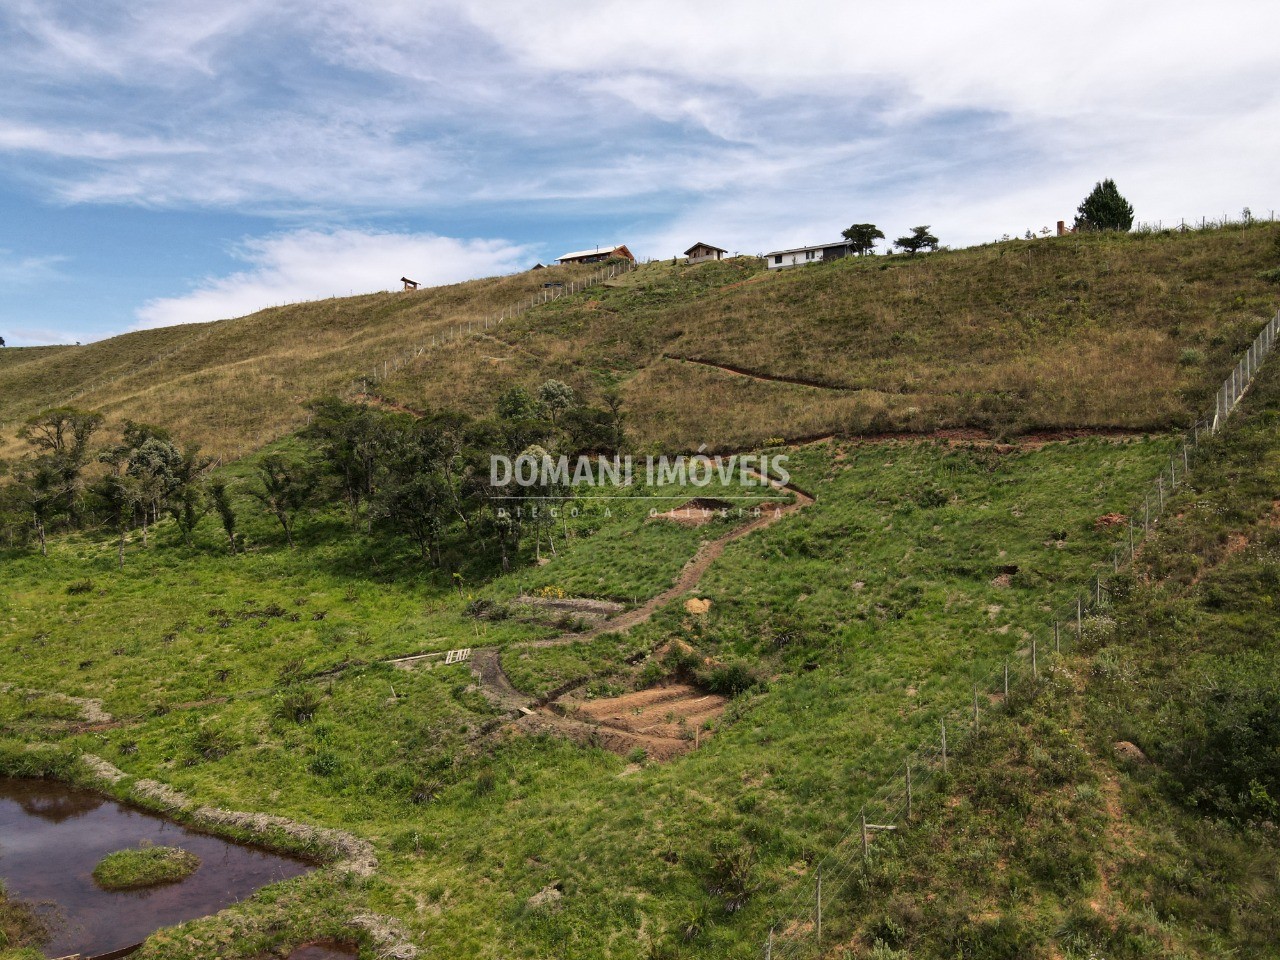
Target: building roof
(597, 252)
(707, 245)
(814, 246)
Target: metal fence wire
(798, 928)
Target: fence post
(1146, 514)
(1186, 460)
(864, 843)
(908, 789)
(1160, 488)
(768, 946)
(1079, 618)
(1057, 639)
(866, 852)
(1035, 666)
(944, 746)
(1006, 680)
(975, 708)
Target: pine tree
(1104, 209)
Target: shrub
(79, 587)
(730, 679)
(298, 704)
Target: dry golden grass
(235, 384)
(1123, 331)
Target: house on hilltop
(701, 252)
(799, 256)
(598, 255)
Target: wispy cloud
(20, 271)
(311, 264)
(747, 125)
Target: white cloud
(19, 271)
(312, 264)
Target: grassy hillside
(860, 617)
(1129, 810)
(237, 384)
(1084, 331)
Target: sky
(174, 162)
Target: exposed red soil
(695, 512)
(664, 721)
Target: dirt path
(486, 662)
(758, 376)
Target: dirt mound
(1110, 520)
(699, 607)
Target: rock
(1130, 751)
(547, 895)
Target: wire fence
(453, 333)
(798, 929)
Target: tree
(556, 397)
(352, 439)
(284, 488)
(1104, 209)
(2, 343)
(919, 239)
(38, 491)
(221, 500)
(63, 434)
(185, 499)
(862, 237)
(121, 497)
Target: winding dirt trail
(486, 662)
(758, 376)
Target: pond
(53, 835)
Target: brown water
(52, 836)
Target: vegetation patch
(145, 866)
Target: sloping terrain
(236, 384)
(1129, 809)
(1084, 331)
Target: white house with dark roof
(800, 256)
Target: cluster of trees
(66, 482)
(862, 239)
(1103, 209)
(424, 478)
(428, 479)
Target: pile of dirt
(1110, 520)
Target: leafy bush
(730, 679)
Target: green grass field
(259, 682)
(863, 615)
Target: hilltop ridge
(1107, 331)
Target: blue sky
(178, 162)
